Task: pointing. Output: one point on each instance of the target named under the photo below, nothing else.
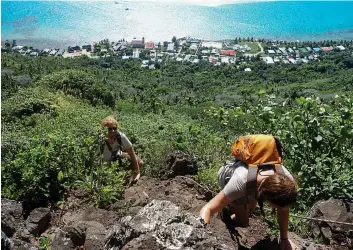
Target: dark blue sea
(54, 23)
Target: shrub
(32, 106)
(79, 84)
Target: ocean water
(59, 24)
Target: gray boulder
(95, 234)
(333, 210)
(8, 224)
(62, 241)
(180, 163)
(104, 217)
(21, 245)
(11, 216)
(162, 225)
(11, 207)
(38, 220)
(89, 234)
(6, 243)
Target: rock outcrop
(333, 210)
(157, 214)
(179, 163)
(163, 225)
(11, 216)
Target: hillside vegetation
(51, 129)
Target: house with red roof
(149, 45)
(326, 49)
(228, 52)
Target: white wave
(200, 2)
(210, 3)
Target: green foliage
(8, 86)
(32, 106)
(49, 126)
(316, 136)
(104, 184)
(33, 174)
(44, 243)
(79, 84)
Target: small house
(268, 60)
(228, 52)
(187, 57)
(225, 60)
(53, 52)
(149, 45)
(45, 51)
(193, 46)
(60, 52)
(138, 43)
(303, 51)
(170, 47)
(326, 49)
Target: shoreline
(40, 43)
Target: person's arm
(283, 218)
(213, 206)
(134, 163)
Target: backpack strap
(118, 138)
(279, 169)
(251, 184)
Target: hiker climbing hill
(255, 175)
(117, 146)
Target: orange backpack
(257, 151)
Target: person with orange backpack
(256, 175)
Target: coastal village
(191, 50)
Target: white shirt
(126, 144)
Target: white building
(187, 57)
(225, 60)
(268, 60)
(193, 46)
(53, 52)
(170, 47)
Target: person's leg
(239, 214)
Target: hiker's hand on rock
(136, 177)
(288, 245)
